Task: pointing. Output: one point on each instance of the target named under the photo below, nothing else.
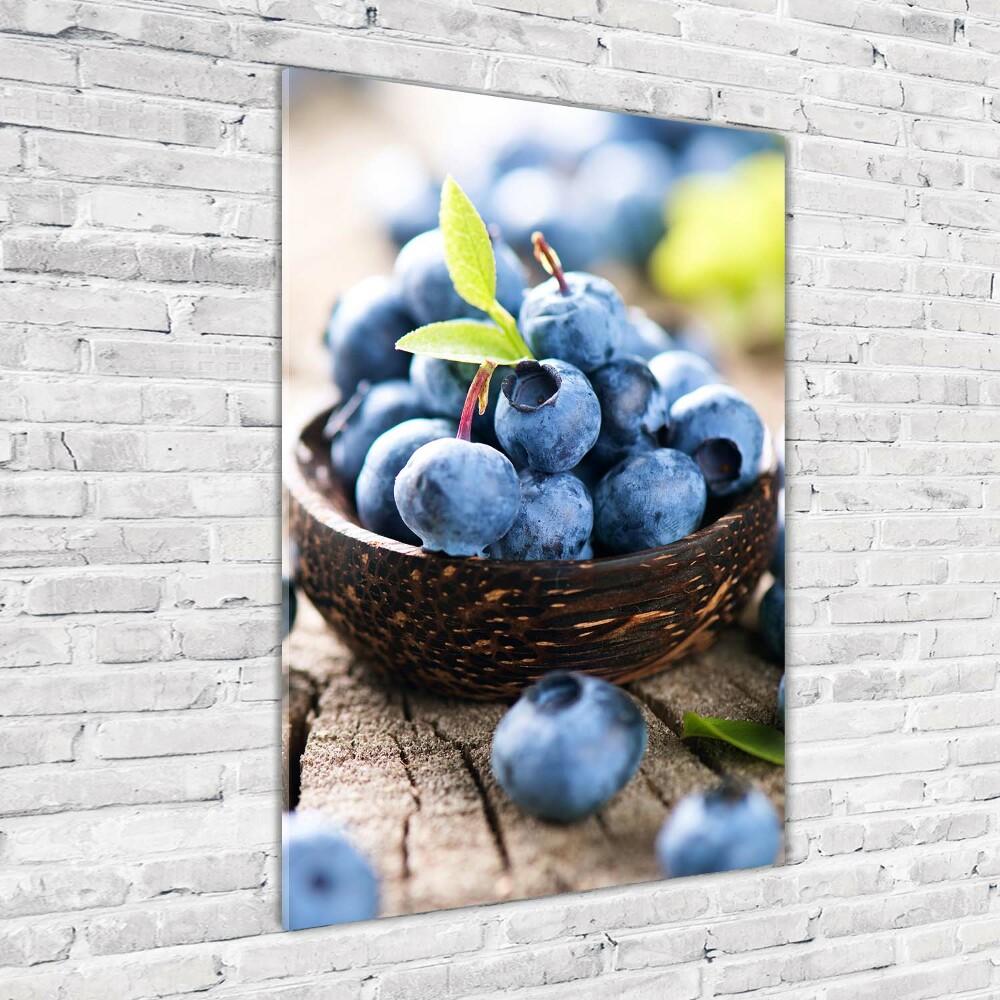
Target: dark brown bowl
(482, 628)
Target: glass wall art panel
(533, 505)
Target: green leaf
(462, 340)
(468, 251)
(751, 737)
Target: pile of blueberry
(607, 440)
(594, 182)
(614, 442)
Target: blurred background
(687, 220)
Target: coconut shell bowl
(484, 629)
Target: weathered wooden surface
(409, 774)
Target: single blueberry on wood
(732, 826)
(372, 410)
(633, 409)
(324, 878)
(554, 521)
(648, 500)
(391, 451)
(681, 372)
(364, 326)
(576, 316)
(723, 433)
(427, 288)
(547, 416)
(567, 746)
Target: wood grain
(409, 773)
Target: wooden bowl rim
(320, 507)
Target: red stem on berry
(478, 393)
(549, 259)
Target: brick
(238, 316)
(188, 496)
(170, 74)
(134, 642)
(188, 733)
(111, 159)
(83, 305)
(206, 640)
(99, 593)
(31, 743)
(65, 694)
(36, 496)
(33, 62)
(257, 407)
(185, 360)
(192, 405)
(104, 114)
(31, 646)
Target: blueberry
(722, 432)
(531, 198)
(289, 606)
(672, 134)
(648, 500)
(781, 700)
(772, 620)
(362, 333)
(391, 451)
(590, 472)
(622, 187)
(554, 521)
(717, 150)
(547, 415)
(733, 826)
(458, 497)
(427, 288)
(644, 337)
(324, 879)
(777, 566)
(352, 430)
(567, 746)
(402, 194)
(697, 338)
(633, 409)
(681, 372)
(583, 325)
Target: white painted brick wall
(138, 484)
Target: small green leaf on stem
(463, 340)
(468, 251)
(751, 737)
